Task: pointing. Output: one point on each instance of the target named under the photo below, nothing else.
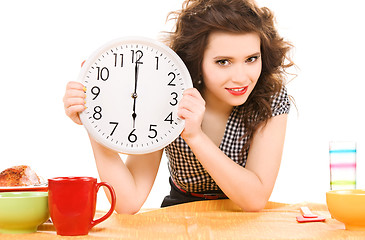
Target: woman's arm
(131, 180)
(248, 187)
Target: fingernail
(84, 88)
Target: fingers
(74, 100)
(74, 94)
(75, 87)
(191, 105)
(191, 109)
(72, 112)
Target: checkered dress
(185, 169)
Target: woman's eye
(252, 59)
(223, 62)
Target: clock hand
(134, 94)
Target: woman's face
(231, 67)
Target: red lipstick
(237, 91)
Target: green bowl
(22, 212)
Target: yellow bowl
(348, 207)
(22, 212)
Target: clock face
(133, 88)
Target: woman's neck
(215, 105)
(215, 118)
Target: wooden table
(218, 219)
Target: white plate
(39, 188)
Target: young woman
(235, 116)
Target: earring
(200, 81)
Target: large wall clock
(133, 88)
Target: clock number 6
(132, 137)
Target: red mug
(72, 204)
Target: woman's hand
(74, 101)
(191, 109)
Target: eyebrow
(227, 57)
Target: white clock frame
(126, 91)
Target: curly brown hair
(198, 18)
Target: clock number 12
(139, 55)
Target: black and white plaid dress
(185, 169)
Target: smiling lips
(237, 91)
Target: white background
(43, 43)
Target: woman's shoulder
(280, 102)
